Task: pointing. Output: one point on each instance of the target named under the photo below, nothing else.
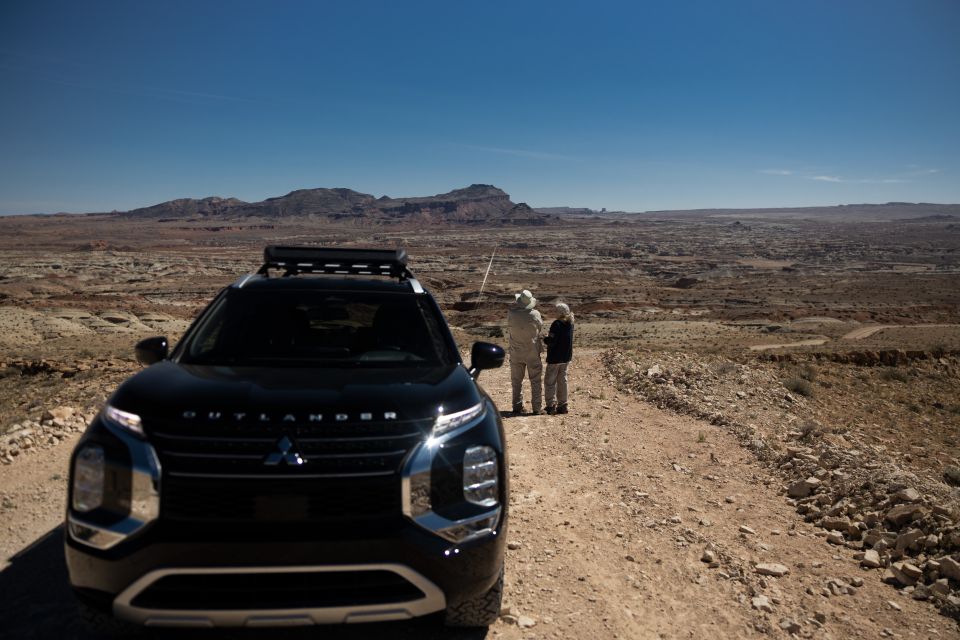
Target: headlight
(447, 423)
(480, 476)
(88, 473)
(125, 420)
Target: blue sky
(623, 105)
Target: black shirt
(560, 342)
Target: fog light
(480, 476)
(468, 530)
(88, 474)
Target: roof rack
(360, 262)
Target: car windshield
(318, 329)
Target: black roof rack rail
(361, 262)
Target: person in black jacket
(559, 354)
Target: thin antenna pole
(482, 284)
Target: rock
(871, 559)
(902, 514)
(907, 495)
(949, 568)
(790, 626)
(761, 603)
(61, 413)
(893, 605)
(835, 537)
(525, 622)
(951, 474)
(941, 587)
(513, 546)
(654, 371)
(912, 571)
(856, 582)
(708, 556)
(835, 523)
(906, 540)
(899, 576)
(803, 488)
(772, 569)
(745, 529)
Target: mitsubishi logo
(284, 454)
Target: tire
(103, 625)
(479, 611)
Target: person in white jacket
(526, 345)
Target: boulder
(871, 559)
(951, 474)
(772, 569)
(761, 603)
(949, 568)
(902, 514)
(835, 523)
(61, 414)
(803, 488)
(907, 495)
(901, 575)
(907, 540)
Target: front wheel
(479, 611)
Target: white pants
(555, 384)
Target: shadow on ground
(37, 603)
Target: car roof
(258, 282)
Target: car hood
(170, 390)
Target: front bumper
(419, 550)
(445, 574)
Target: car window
(313, 328)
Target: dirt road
(865, 332)
(812, 342)
(613, 506)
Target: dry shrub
(893, 374)
(808, 372)
(799, 386)
(723, 368)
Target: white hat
(526, 299)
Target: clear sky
(624, 105)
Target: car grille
(350, 472)
(287, 590)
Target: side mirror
(151, 350)
(485, 355)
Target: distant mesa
(569, 211)
(480, 204)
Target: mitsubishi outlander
(312, 451)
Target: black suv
(313, 451)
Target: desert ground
(764, 437)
